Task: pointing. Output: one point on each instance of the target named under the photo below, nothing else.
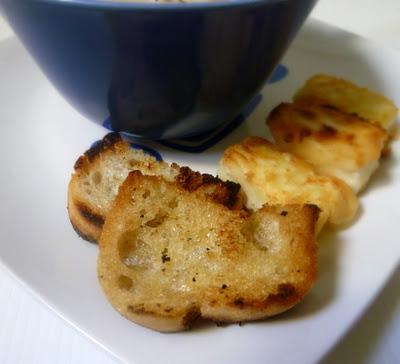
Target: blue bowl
(157, 70)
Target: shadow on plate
(331, 243)
(363, 339)
(383, 176)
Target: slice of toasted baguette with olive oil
(100, 171)
(169, 256)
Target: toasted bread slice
(269, 175)
(347, 97)
(100, 171)
(168, 256)
(334, 143)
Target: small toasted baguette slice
(345, 96)
(168, 256)
(99, 172)
(267, 174)
(334, 143)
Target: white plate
(41, 136)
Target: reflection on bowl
(157, 70)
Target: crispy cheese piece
(347, 97)
(269, 175)
(334, 143)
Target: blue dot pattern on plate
(200, 143)
(279, 73)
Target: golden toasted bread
(334, 143)
(347, 97)
(269, 175)
(169, 255)
(100, 171)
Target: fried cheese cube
(347, 97)
(269, 175)
(334, 143)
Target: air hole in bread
(146, 194)
(126, 245)
(124, 282)
(96, 178)
(267, 236)
(157, 220)
(133, 252)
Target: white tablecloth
(31, 333)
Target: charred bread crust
(108, 142)
(223, 192)
(90, 216)
(86, 237)
(87, 225)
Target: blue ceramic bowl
(157, 70)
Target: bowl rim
(159, 6)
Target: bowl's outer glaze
(157, 71)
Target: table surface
(31, 333)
